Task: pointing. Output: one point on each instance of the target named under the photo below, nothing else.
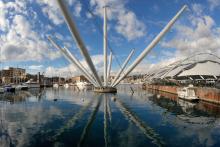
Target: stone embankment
(204, 93)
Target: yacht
(2, 90)
(55, 85)
(187, 93)
(66, 85)
(20, 87)
(84, 85)
(9, 88)
(31, 84)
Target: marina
(109, 73)
(87, 118)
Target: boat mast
(105, 46)
(151, 45)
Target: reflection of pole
(151, 45)
(75, 34)
(73, 60)
(123, 66)
(89, 123)
(105, 47)
(105, 122)
(109, 111)
(109, 67)
(148, 131)
(72, 121)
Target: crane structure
(105, 86)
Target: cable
(98, 26)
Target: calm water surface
(64, 117)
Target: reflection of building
(59, 80)
(13, 75)
(79, 79)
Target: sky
(132, 24)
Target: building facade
(80, 78)
(13, 75)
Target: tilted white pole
(75, 34)
(105, 47)
(71, 60)
(151, 45)
(109, 67)
(81, 66)
(123, 67)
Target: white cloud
(197, 8)
(213, 4)
(51, 10)
(128, 25)
(200, 35)
(72, 70)
(36, 67)
(20, 40)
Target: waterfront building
(13, 75)
(80, 78)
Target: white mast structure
(94, 78)
(105, 47)
(151, 45)
(76, 36)
(73, 60)
(109, 66)
(123, 67)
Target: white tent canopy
(203, 68)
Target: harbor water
(66, 117)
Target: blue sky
(25, 25)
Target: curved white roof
(202, 68)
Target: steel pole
(105, 47)
(151, 45)
(71, 60)
(81, 66)
(109, 67)
(123, 67)
(75, 34)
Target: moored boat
(66, 85)
(2, 90)
(84, 85)
(55, 85)
(9, 88)
(20, 87)
(32, 84)
(187, 93)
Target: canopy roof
(202, 68)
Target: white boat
(31, 84)
(84, 85)
(187, 93)
(55, 85)
(66, 85)
(20, 87)
(2, 90)
(186, 106)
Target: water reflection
(146, 118)
(70, 123)
(148, 131)
(89, 123)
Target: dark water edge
(64, 117)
